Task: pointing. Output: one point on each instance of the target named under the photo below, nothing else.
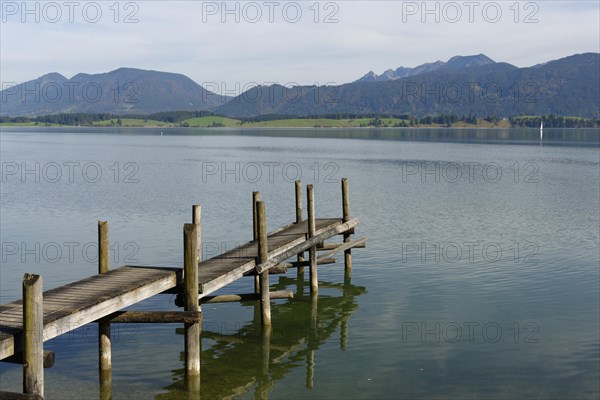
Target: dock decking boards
(78, 303)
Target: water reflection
(522, 136)
(253, 359)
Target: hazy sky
(303, 42)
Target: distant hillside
(568, 87)
(464, 85)
(123, 91)
(455, 63)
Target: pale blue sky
(190, 37)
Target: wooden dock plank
(78, 303)
(221, 270)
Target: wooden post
(194, 384)
(263, 255)
(255, 199)
(298, 220)
(33, 328)
(17, 358)
(104, 343)
(298, 201)
(190, 274)
(197, 219)
(314, 283)
(346, 218)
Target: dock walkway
(100, 298)
(78, 303)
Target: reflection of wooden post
(104, 343)
(263, 255)
(262, 385)
(344, 333)
(33, 329)
(314, 284)
(266, 351)
(310, 356)
(192, 331)
(255, 199)
(346, 218)
(346, 311)
(298, 220)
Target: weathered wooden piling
(193, 382)
(33, 328)
(19, 396)
(263, 255)
(197, 219)
(255, 199)
(312, 253)
(233, 298)
(346, 218)
(104, 343)
(49, 359)
(151, 317)
(298, 189)
(190, 281)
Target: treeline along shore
(205, 119)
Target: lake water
(480, 278)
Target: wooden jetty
(40, 316)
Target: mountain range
(455, 63)
(462, 85)
(122, 91)
(569, 87)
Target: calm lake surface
(480, 278)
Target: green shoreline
(214, 121)
(301, 123)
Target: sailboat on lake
(541, 130)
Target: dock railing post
(33, 328)
(190, 275)
(104, 343)
(346, 218)
(298, 187)
(263, 255)
(255, 199)
(314, 283)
